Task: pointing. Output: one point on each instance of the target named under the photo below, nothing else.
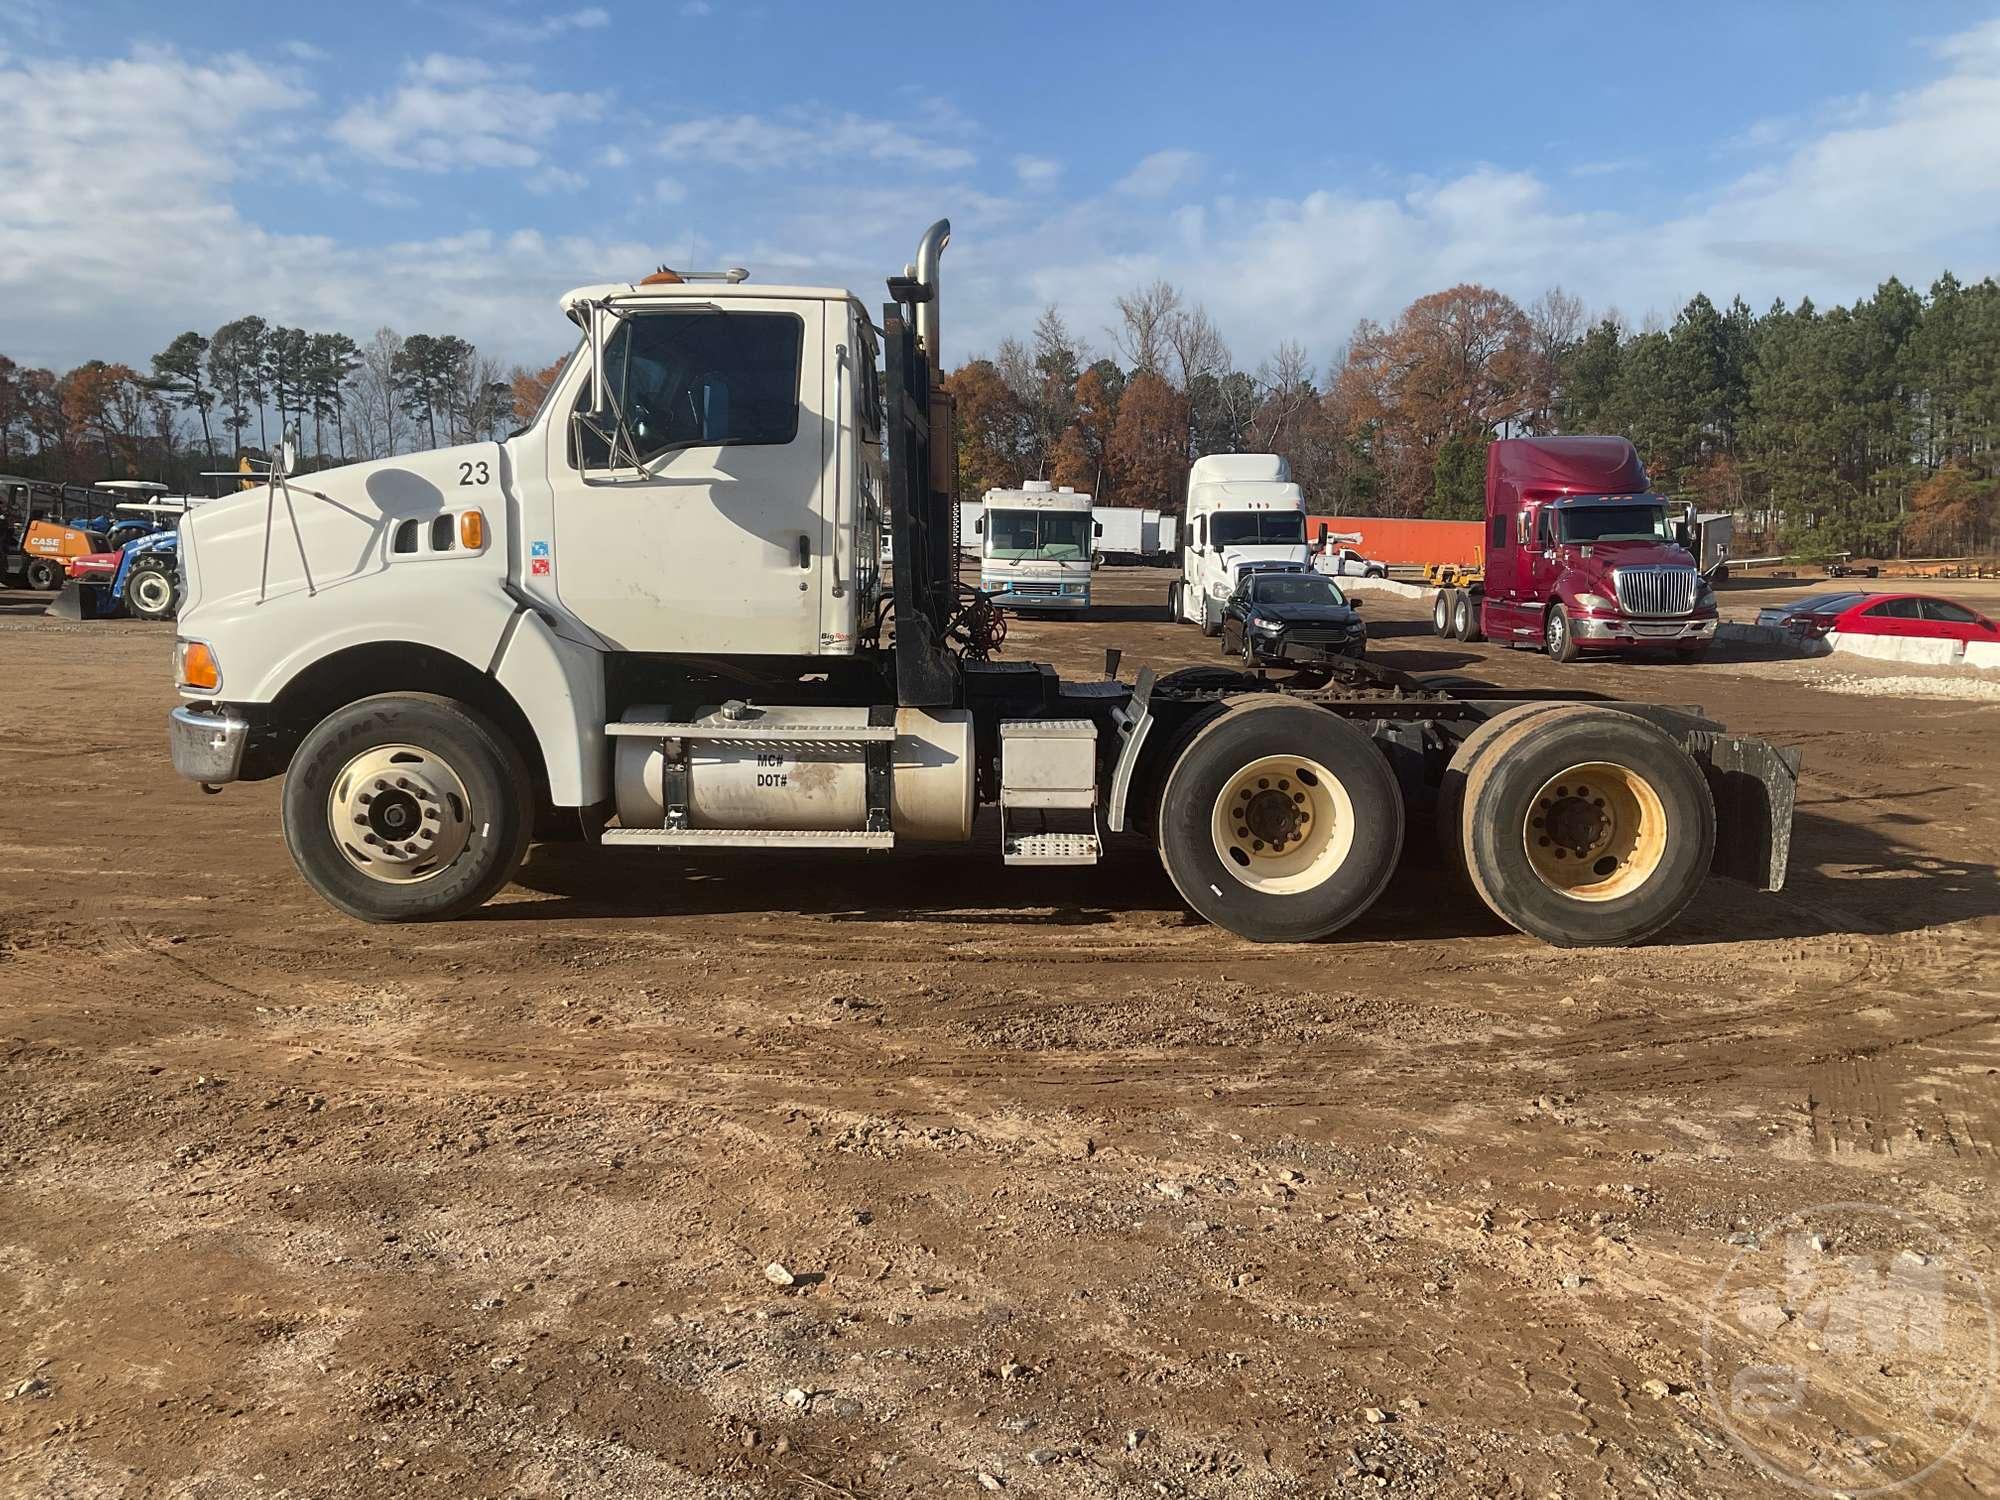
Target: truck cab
(1244, 514)
(1037, 547)
(1582, 557)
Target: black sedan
(1291, 617)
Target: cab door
(715, 539)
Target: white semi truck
(1243, 515)
(654, 617)
(1037, 544)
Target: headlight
(1595, 601)
(1218, 591)
(1268, 627)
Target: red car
(1854, 613)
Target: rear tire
(1586, 827)
(153, 590)
(1441, 613)
(1471, 750)
(468, 790)
(43, 575)
(1465, 618)
(1280, 822)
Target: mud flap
(1755, 785)
(81, 601)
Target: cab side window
(1545, 530)
(701, 379)
(1499, 535)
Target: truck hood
(1307, 614)
(1239, 560)
(1604, 556)
(340, 524)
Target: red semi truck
(1581, 556)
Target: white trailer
(1244, 515)
(1133, 534)
(655, 617)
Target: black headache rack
(922, 470)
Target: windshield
(1639, 521)
(1052, 535)
(1296, 588)
(1256, 528)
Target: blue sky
(453, 167)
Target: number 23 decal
(474, 473)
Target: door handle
(805, 551)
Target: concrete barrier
(1919, 650)
(1385, 586)
(1983, 654)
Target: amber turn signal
(471, 530)
(198, 667)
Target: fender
(559, 687)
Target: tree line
(1873, 428)
(205, 401)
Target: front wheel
(407, 808)
(153, 590)
(1586, 826)
(43, 575)
(1211, 619)
(1557, 638)
(1280, 822)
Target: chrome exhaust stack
(930, 250)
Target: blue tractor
(146, 584)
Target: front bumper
(1008, 598)
(207, 746)
(1284, 649)
(1603, 631)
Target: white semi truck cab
(1243, 515)
(1036, 548)
(657, 616)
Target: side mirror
(286, 460)
(1099, 528)
(1353, 601)
(979, 527)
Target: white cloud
(554, 179)
(696, 9)
(805, 137)
(543, 28)
(1160, 174)
(1037, 171)
(453, 112)
(667, 190)
(613, 156)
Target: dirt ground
(1076, 1196)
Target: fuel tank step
(747, 838)
(1051, 849)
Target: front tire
(153, 590)
(1211, 618)
(43, 575)
(1557, 637)
(1586, 827)
(1280, 822)
(407, 808)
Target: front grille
(1654, 591)
(1037, 588)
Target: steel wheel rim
(399, 814)
(150, 590)
(1558, 627)
(1282, 824)
(1596, 831)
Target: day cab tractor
(1581, 557)
(656, 614)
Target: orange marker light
(471, 530)
(198, 667)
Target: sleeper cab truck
(1037, 547)
(1243, 514)
(1581, 557)
(654, 617)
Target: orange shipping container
(1403, 543)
